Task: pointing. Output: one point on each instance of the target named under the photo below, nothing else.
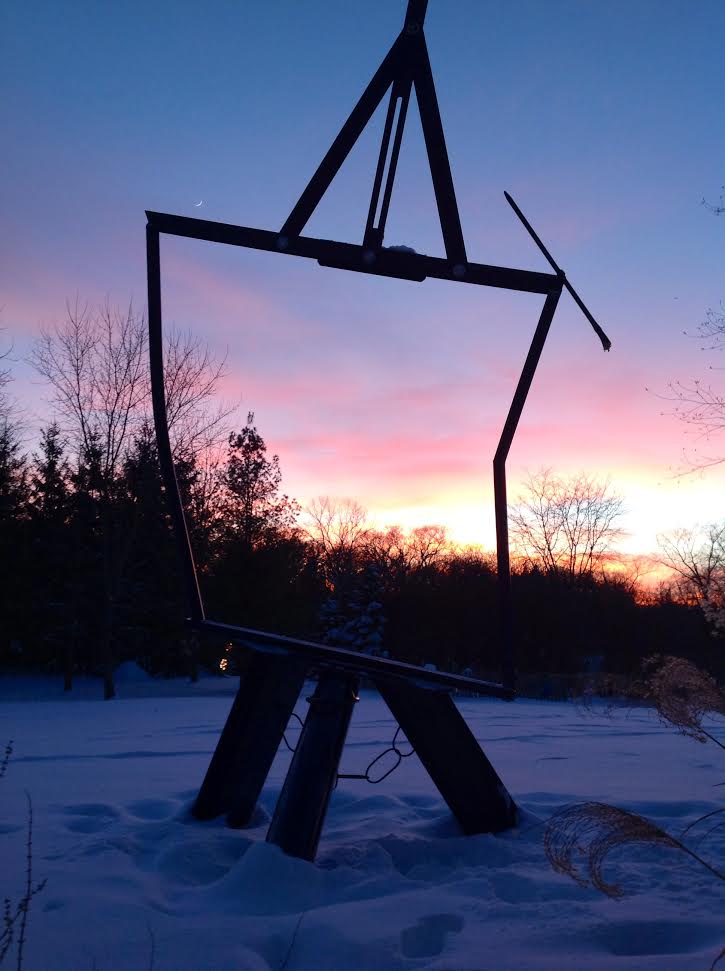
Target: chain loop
(366, 775)
(292, 748)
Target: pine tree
(50, 480)
(353, 615)
(255, 508)
(51, 579)
(13, 474)
(13, 528)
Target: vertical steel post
(508, 640)
(158, 400)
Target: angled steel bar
(300, 812)
(158, 402)
(606, 343)
(268, 693)
(452, 757)
(374, 234)
(404, 96)
(415, 16)
(349, 256)
(370, 237)
(353, 662)
(499, 484)
(346, 138)
(440, 167)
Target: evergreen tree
(149, 610)
(13, 474)
(50, 479)
(13, 528)
(255, 509)
(52, 576)
(263, 574)
(353, 615)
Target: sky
(603, 120)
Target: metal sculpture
(419, 699)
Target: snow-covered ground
(133, 881)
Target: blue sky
(603, 120)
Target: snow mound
(134, 880)
(131, 673)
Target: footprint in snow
(90, 817)
(152, 808)
(427, 937)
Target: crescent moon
(199, 203)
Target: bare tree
(5, 378)
(697, 403)
(428, 545)
(339, 529)
(566, 525)
(396, 554)
(11, 417)
(697, 558)
(192, 374)
(95, 362)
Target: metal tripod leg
(300, 812)
(453, 758)
(253, 731)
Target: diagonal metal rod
(415, 15)
(606, 343)
(399, 95)
(440, 167)
(346, 138)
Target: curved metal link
(367, 774)
(292, 748)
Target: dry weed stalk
(15, 918)
(682, 695)
(6, 758)
(593, 830)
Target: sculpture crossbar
(277, 666)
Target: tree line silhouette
(92, 576)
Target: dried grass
(682, 695)
(590, 831)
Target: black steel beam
(341, 659)
(440, 168)
(452, 757)
(349, 256)
(163, 444)
(346, 138)
(606, 343)
(499, 484)
(415, 16)
(300, 812)
(267, 695)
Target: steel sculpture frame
(419, 699)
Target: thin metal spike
(606, 343)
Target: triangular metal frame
(404, 67)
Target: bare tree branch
(566, 525)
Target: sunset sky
(605, 122)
